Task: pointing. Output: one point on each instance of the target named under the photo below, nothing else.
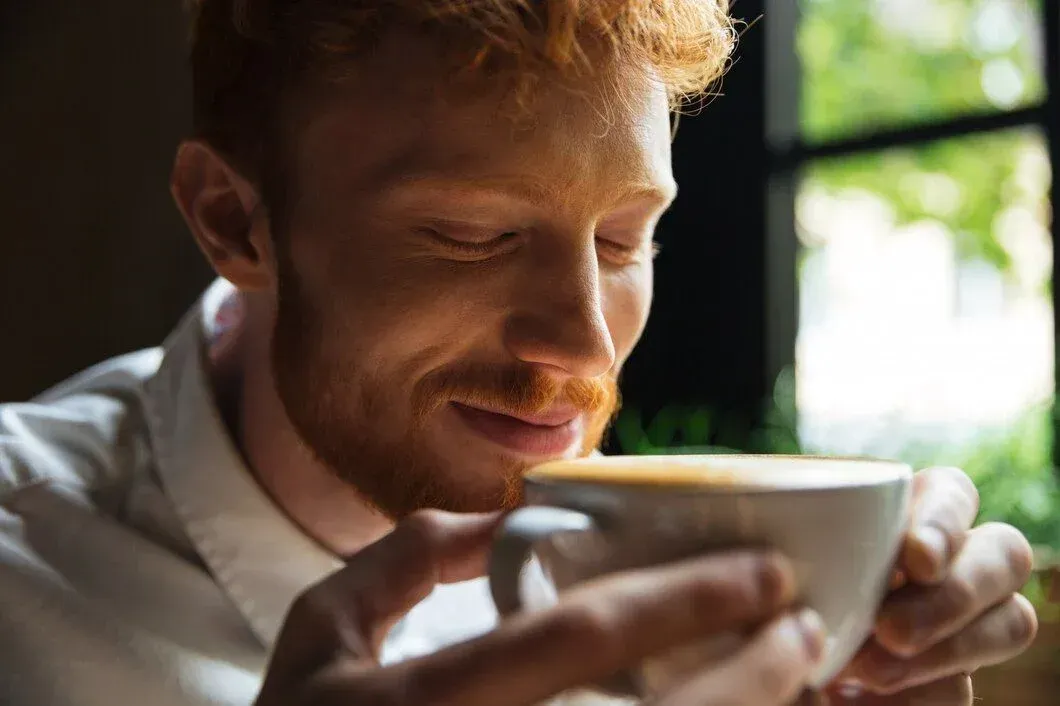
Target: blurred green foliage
(1014, 472)
(870, 64)
(1012, 468)
(982, 171)
(861, 71)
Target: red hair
(247, 53)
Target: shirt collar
(256, 554)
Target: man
(432, 220)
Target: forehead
(402, 114)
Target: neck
(324, 507)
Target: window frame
(789, 153)
(725, 320)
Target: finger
(600, 628)
(429, 548)
(951, 691)
(353, 608)
(770, 671)
(945, 503)
(996, 562)
(1000, 634)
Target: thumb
(353, 609)
(426, 549)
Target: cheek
(396, 317)
(627, 301)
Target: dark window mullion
(1051, 22)
(800, 153)
(783, 83)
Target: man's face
(457, 291)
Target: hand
(327, 651)
(955, 608)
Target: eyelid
(464, 232)
(629, 253)
(473, 248)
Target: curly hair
(247, 53)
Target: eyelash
(472, 248)
(488, 247)
(626, 251)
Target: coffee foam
(735, 472)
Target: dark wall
(94, 259)
(708, 340)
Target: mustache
(516, 390)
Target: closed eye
(472, 245)
(620, 253)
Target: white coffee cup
(840, 521)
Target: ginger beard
(345, 416)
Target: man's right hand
(327, 651)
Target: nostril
(577, 346)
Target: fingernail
(935, 545)
(812, 631)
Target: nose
(560, 321)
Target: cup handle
(513, 544)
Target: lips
(541, 434)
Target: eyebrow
(535, 192)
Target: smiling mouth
(544, 434)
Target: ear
(223, 210)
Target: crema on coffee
(721, 471)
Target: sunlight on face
(459, 290)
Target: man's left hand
(956, 605)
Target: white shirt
(140, 563)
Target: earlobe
(223, 212)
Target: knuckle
(1022, 623)
(961, 595)
(589, 622)
(766, 578)
(310, 606)
(958, 478)
(426, 526)
(740, 583)
(590, 626)
(710, 587)
(423, 533)
(1018, 554)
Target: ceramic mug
(840, 522)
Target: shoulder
(94, 611)
(86, 431)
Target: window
(871, 64)
(861, 259)
(925, 311)
(922, 187)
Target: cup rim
(892, 472)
